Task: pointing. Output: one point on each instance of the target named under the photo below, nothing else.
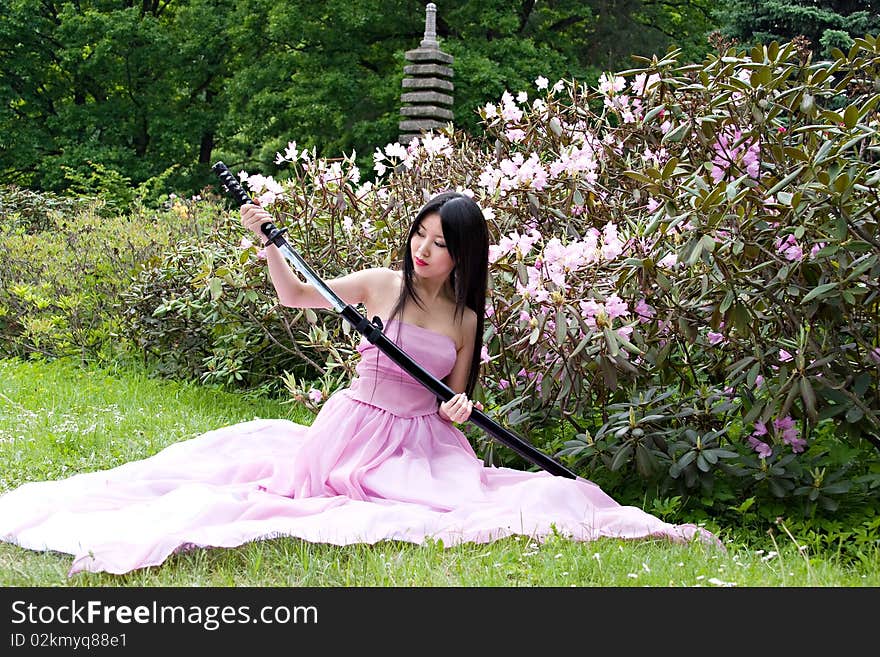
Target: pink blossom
(790, 248)
(509, 110)
(261, 254)
(763, 449)
(644, 311)
(790, 433)
(484, 355)
(315, 395)
(715, 338)
(610, 84)
(875, 354)
(784, 356)
(616, 307)
(644, 83)
(594, 314)
(669, 261)
(733, 153)
(612, 246)
(759, 381)
(503, 384)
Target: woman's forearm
(289, 288)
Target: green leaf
(726, 302)
(583, 343)
(677, 134)
(621, 456)
(611, 341)
(817, 291)
(561, 327)
(782, 183)
(809, 398)
(652, 113)
(215, 285)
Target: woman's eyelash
(438, 244)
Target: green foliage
(33, 211)
(63, 267)
(204, 310)
(825, 24)
(93, 95)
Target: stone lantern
(427, 97)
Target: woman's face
(428, 249)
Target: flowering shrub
(685, 266)
(63, 265)
(203, 310)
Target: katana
(372, 331)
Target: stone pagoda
(427, 97)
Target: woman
(381, 461)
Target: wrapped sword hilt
(237, 192)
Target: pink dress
(378, 463)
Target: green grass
(57, 419)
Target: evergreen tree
(826, 23)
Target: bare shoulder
(378, 277)
(386, 275)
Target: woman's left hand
(458, 409)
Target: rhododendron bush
(684, 266)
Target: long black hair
(467, 241)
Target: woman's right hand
(252, 217)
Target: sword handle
(238, 193)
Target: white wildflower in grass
(632, 575)
(770, 555)
(718, 582)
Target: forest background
(104, 97)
